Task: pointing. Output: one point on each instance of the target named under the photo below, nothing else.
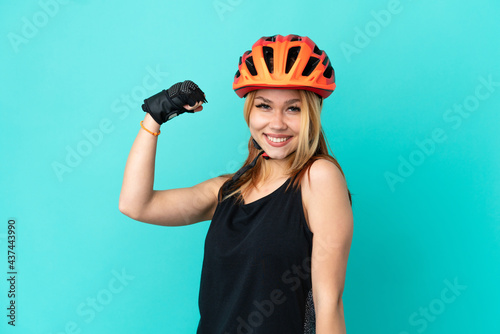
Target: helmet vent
(268, 57)
(325, 61)
(311, 65)
(328, 72)
(317, 50)
(295, 38)
(271, 39)
(291, 58)
(251, 66)
(237, 75)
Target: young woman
(281, 227)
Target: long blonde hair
(312, 146)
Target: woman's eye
(294, 109)
(263, 106)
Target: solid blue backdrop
(413, 123)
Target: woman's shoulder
(320, 171)
(322, 178)
(324, 193)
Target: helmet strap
(244, 169)
(257, 146)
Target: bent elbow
(127, 210)
(123, 208)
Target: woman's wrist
(150, 124)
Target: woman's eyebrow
(263, 99)
(269, 101)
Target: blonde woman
(281, 227)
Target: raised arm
(173, 207)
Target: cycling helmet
(288, 62)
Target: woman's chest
(270, 228)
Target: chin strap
(243, 170)
(257, 146)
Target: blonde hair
(312, 145)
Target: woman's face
(275, 121)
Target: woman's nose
(277, 121)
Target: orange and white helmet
(286, 62)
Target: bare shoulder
(323, 174)
(324, 192)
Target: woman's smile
(277, 140)
(275, 121)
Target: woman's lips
(277, 140)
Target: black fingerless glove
(169, 103)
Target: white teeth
(278, 140)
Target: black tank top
(256, 267)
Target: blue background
(76, 70)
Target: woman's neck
(276, 169)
